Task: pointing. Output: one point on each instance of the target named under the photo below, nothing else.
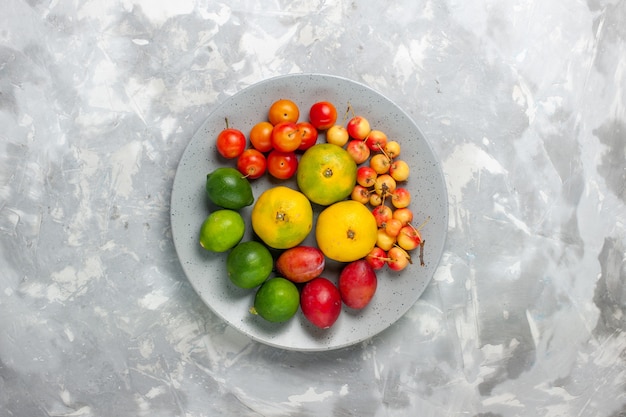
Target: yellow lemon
(326, 173)
(282, 217)
(346, 231)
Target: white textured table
(524, 102)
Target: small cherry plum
(399, 170)
(398, 258)
(405, 215)
(308, 133)
(358, 127)
(285, 137)
(376, 140)
(358, 150)
(409, 237)
(382, 214)
(400, 198)
(392, 149)
(383, 240)
(366, 176)
(360, 194)
(385, 185)
(393, 226)
(376, 258)
(252, 163)
(376, 199)
(337, 135)
(231, 142)
(380, 163)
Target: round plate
(206, 271)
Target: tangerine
(282, 217)
(326, 173)
(346, 231)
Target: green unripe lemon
(228, 188)
(222, 230)
(249, 264)
(277, 300)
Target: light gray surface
(522, 101)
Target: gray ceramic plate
(206, 271)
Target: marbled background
(523, 101)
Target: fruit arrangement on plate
(353, 173)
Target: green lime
(249, 264)
(222, 230)
(228, 188)
(277, 300)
